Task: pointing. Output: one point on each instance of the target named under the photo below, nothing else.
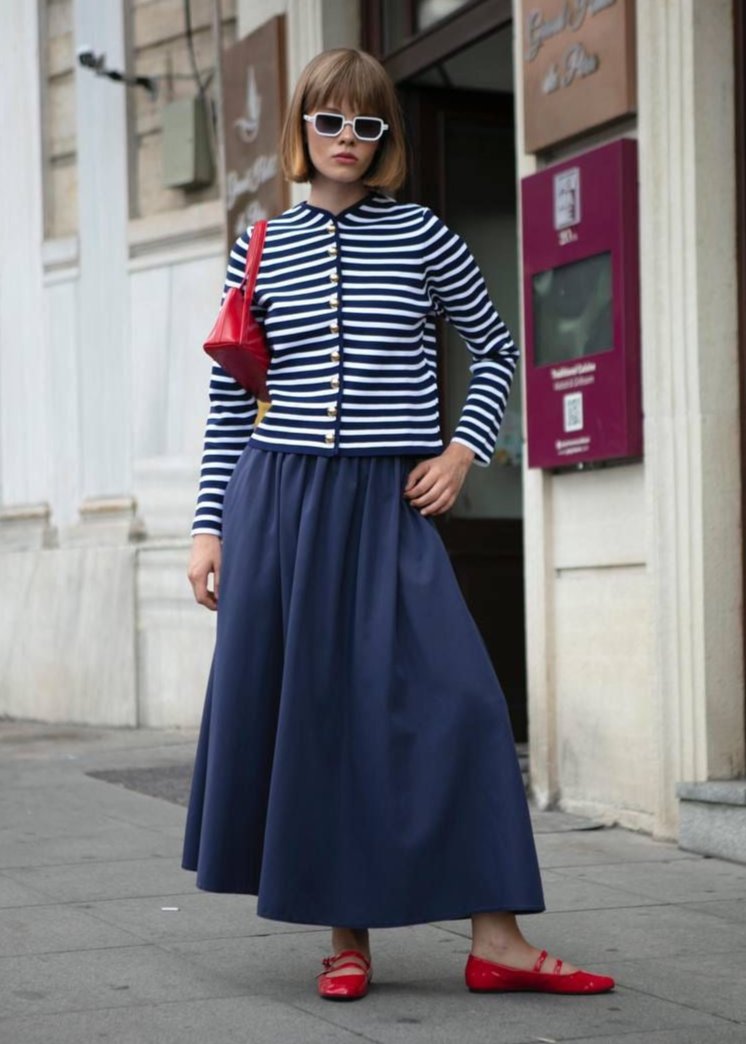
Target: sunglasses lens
(368, 128)
(328, 123)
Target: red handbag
(237, 341)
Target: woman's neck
(335, 196)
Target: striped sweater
(348, 303)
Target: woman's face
(343, 158)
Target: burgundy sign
(581, 300)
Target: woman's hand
(434, 484)
(204, 560)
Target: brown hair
(355, 77)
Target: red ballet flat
(484, 976)
(345, 987)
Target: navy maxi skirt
(355, 764)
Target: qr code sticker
(573, 411)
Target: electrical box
(582, 309)
(187, 156)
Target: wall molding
(176, 235)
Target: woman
(356, 766)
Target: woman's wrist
(461, 452)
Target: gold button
(330, 226)
(334, 327)
(335, 356)
(332, 250)
(329, 438)
(334, 382)
(334, 302)
(334, 277)
(331, 411)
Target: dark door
(463, 166)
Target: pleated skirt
(355, 763)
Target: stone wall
(157, 47)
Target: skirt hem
(290, 917)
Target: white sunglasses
(330, 124)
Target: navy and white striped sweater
(348, 303)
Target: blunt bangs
(349, 80)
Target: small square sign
(567, 198)
(572, 410)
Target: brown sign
(253, 111)
(578, 67)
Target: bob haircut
(357, 78)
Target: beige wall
(100, 438)
(633, 573)
(60, 154)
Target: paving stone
(568, 890)
(250, 1020)
(439, 1012)
(118, 879)
(98, 844)
(50, 929)
(592, 937)
(70, 824)
(729, 909)
(587, 938)
(200, 915)
(104, 978)
(169, 782)
(419, 992)
(420, 952)
(602, 847)
(680, 880)
(560, 822)
(681, 1035)
(705, 981)
(42, 813)
(14, 893)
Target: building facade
(610, 598)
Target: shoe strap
(331, 962)
(557, 970)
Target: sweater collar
(369, 197)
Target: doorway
(463, 166)
(455, 82)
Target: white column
(104, 372)
(690, 366)
(539, 572)
(24, 466)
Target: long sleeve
(457, 291)
(230, 421)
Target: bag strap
(253, 260)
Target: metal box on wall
(187, 158)
(582, 308)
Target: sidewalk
(88, 952)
